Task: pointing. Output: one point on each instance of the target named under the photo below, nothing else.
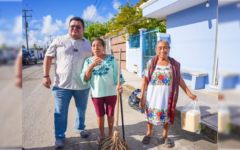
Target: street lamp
(238, 5)
(207, 5)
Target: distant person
(161, 79)
(101, 71)
(70, 52)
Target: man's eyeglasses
(77, 27)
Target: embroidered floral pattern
(162, 77)
(103, 68)
(148, 65)
(156, 116)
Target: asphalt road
(38, 122)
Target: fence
(117, 44)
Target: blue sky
(51, 17)
(10, 23)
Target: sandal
(99, 140)
(146, 138)
(167, 142)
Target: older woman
(101, 70)
(162, 79)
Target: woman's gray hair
(166, 41)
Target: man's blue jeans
(62, 99)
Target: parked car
(28, 57)
(3, 60)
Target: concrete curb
(207, 130)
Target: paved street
(38, 122)
(10, 109)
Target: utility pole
(26, 26)
(50, 37)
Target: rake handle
(119, 70)
(122, 117)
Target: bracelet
(46, 76)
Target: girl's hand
(120, 89)
(96, 62)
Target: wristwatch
(46, 76)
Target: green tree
(130, 20)
(35, 46)
(4, 46)
(96, 29)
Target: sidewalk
(38, 121)
(207, 100)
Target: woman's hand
(120, 89)
(142, 104)
(96, 62)
(192, 96)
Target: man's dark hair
(98, 39)
(77, 19)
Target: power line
(92, 10)
(50, 37)
(97, 8)
(107, 8)
(32, 11)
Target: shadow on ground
(131, 133)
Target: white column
(127, 49)
(142, 49)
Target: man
(70, 52)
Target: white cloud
(18, 26)
(38, 26)
(66, 24)
(2, 38)
(116, 4)
(12, 35)
(48, 27)
(34, 38)
(34, 21)
(67, 21)
(91, 14)
(59, 23)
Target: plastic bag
(223, 118)
(133, 101)
(191, 117)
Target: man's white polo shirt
(69, 63)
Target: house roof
(223, 3)
(160, 9)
